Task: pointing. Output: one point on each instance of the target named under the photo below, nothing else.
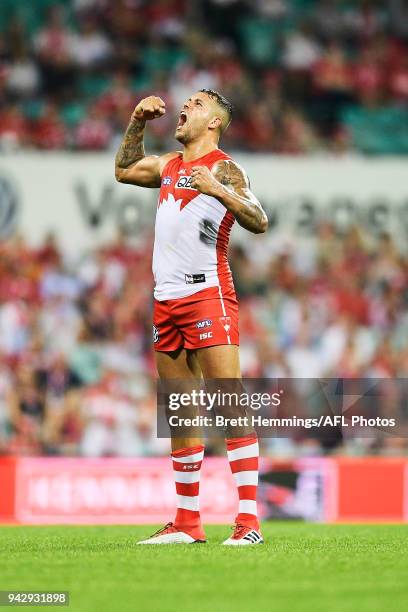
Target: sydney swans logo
(171, 201)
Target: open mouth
(182, 119)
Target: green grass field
(325, 568)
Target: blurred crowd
(304, 75)
(77, 374)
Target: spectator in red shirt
(332, 78)
(350, 299)
(13, 127)
(119, 97)
(259, 128)
(368, 75)
(398, 81)
(48, 132)
(94, 132)
(332, 72)
(166, 17)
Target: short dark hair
(221, 101)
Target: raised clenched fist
(149, 108)
(203, 180)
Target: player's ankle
(247, 521)
(189, 524)
(196, 530)
(184, 525)
(186, 518)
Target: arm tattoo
(131, 149)
(231, 175)
(246, 207)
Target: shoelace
(162, 530)
(239, 530)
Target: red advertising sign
(114, 491)
(370, 489)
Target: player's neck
(195, 150)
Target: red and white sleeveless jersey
(191, 234)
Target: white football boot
(244, 536)
(171, 535)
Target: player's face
(194, 118)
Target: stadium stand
(75, 337)
(304, 76)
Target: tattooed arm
(131, 164)
(230, 185)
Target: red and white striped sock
(186, 470)
(243, 456)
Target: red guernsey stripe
(234, 443)
(190, 489)
(223, 269)
(186, 467)
(244, 465)
(247, 492)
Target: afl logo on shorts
(156, 335)
(204, 323)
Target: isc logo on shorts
(184, 182)
(206, 335)
(156, 335)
